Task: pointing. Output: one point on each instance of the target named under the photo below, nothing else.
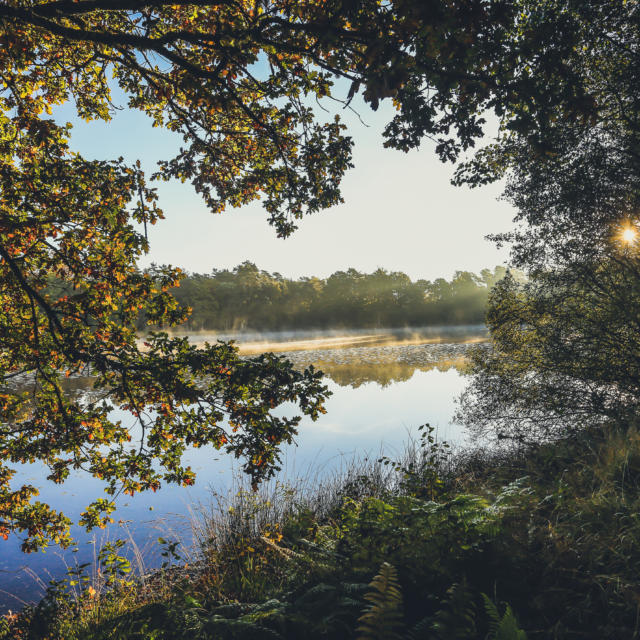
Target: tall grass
(544, 539)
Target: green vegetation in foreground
(541, 543)
(249, 298)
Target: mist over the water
(303, 339)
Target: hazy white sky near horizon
(400, 212)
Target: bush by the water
(537, 543)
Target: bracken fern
(505, 627)
(383, 618)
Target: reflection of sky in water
(359, 421)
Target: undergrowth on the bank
(543, 543)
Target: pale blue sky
(400, 211)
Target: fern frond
(457, 619)
(505, 627)
(382, 619)
(421, 630)
(508, 629)
(318, 593)
(289, 554)
(492, 612)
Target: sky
(400, 212)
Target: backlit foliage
(236, 79)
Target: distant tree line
(247, 297)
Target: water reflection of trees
(347, 367)
(353, 375)
(356, 374)
(77, 387)
(384, 365)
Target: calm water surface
(383, 389)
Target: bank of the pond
(532, 544)
(375, 404)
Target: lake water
(384, 384)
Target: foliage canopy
(235, 78)
(565, 343)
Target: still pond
(384, 386)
